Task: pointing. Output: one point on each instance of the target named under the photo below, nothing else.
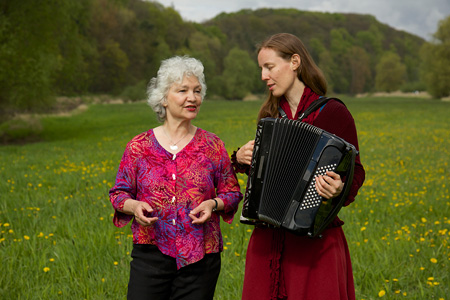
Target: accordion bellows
(287, 156)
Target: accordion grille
(292, 146)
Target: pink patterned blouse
(173, 185)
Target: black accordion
(287, 156)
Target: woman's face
(278, 73)
(184, 99)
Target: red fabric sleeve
(335, 118)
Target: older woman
(173, 183)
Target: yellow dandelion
(225, 248)
(423, 220)
(381, 293)
(430, 278)
(433, 260)
(116, 263)
(363, 228)
(237, 254)
(26, 237)
(103, 279)
(52, 259)
(40, 234)
(46, 269)
(6, 225)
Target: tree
(359, 63)
(341, 44)
(239, 75)
(30, 37)
(111, 74)
(435, 70)
(390, 72)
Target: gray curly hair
(171, 71)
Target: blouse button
(173, 221)
(173, 199)
(173, 176)
(174, 156)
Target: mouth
(271, 86)
(191, 108)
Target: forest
(57, 48)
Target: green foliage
(111, 71)
(436, 62)
(390, 73)
(136, 92)
(21, 129)
(103, 46)
(322, 32)
(239, 74)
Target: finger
(203, 218)
(146, 207)
(194, 212)
(323, 188)
(144, 221)
(333, 175)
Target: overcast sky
(419, 17)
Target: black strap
(312, 107)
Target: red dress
(281, 265)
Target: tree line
(64, 47)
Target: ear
(295, 62)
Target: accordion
(287, 156)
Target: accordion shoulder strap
(315, 105)
(311, 108)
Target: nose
(192, 95)
(264, 75)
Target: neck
(294, 94)
(177, 129)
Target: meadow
(57, 240)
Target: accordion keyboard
(312, 198)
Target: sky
(419, 17)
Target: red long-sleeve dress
(281, 265)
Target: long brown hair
(286, 45)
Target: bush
(136, 92)
(411, 87)
(21, 129)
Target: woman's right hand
(244, 154)
(140, 210)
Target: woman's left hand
(329, 185)
(203, 212)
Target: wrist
(215, 205)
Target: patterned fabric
(173, 185)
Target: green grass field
(57, 240)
